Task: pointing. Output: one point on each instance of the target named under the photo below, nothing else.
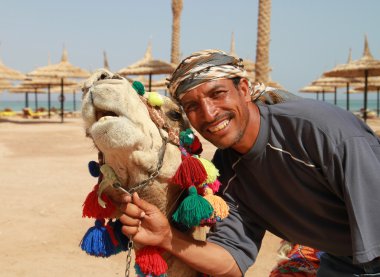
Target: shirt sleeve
(242, 239)
(356, 165)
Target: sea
(72, 106)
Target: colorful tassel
(220, 206)
(190, 173)
(193, 209)
(97, 242)
(211, 170)
(122, 239)
(92, 209)
(186, 137)
(139, 87)
(196, 147)
(155, 99)
(94, 169)
(214, 185)
(150, 261)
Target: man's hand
(144, 222)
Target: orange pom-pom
(221, 208)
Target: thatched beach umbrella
(365, 67)
(9, 73)
(40, 82)
(317, 90)
(374, 86)
(5, 84)
(336, 82)
(61, 70)
(28, 89)
(148, 66)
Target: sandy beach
(43, 182)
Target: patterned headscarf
(202, 67)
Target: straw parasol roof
(148, 66)
(49, 83)
(9, 73)
(317, 89)
(336, 82)
(365, 67)
(28, 89)
(373, 86)
(62, 70)
(5, 84)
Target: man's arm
(148, 226)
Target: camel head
(130, 132)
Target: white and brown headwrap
(201, 67)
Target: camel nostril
(99, 114)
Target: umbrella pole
(35, 99)
(74, 100)
(61, 99)
(150, 82)
(348, 96)
(49, 100)
(335, 96)
(26, 99)
(378, 92)
(365, 94)
(323, 95)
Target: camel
(118, 121)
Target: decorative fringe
(212, 171)
(220, 206)
(150, 261)
(97, 242)
(193, 209)
(190, 173)
(92, 209)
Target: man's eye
(190, 107)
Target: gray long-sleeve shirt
(312, 177)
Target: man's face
(219, 111)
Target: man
(304, 170)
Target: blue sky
(307, 36)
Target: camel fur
(120, 126)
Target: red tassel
(92, 209)
(196, 147)
(150, 261)
(190, 173)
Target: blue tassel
(97, 241)
(94, 169)
(122, 239)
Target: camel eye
(174, 115)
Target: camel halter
(156, 115)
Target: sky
(308, 37)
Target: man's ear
(245, 89)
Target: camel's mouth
(99, 114)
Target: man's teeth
(220, 126)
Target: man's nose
(208, 110)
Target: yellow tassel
(221, 208)
(211, 170)
(155, 99)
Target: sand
(43, 182)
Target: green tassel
(139, 87)
(193, 209)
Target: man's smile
(220, 126)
